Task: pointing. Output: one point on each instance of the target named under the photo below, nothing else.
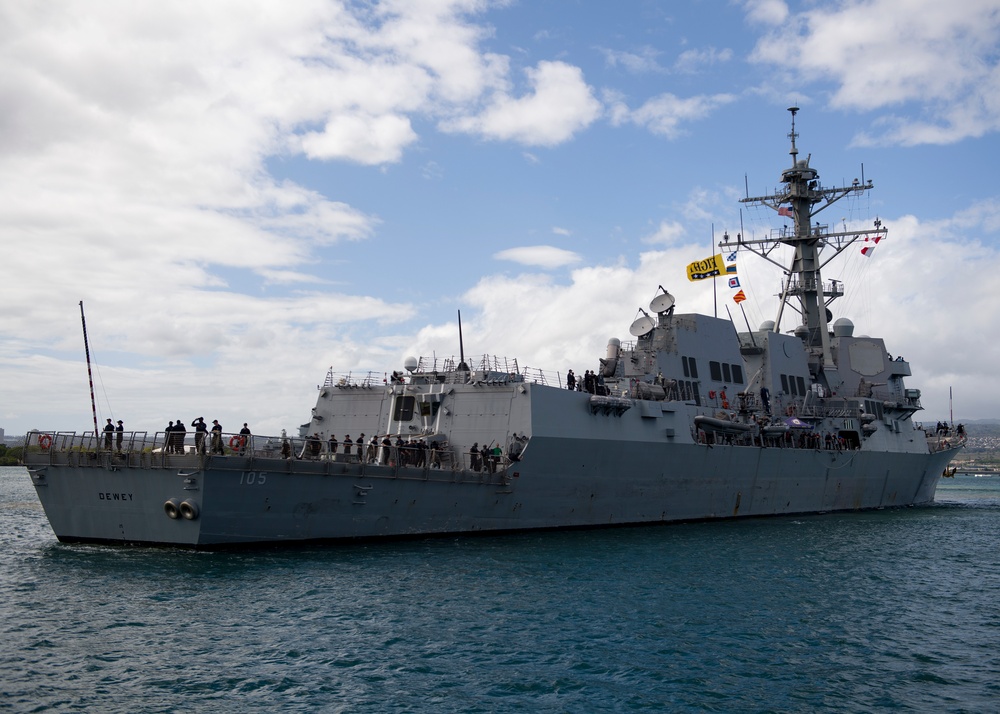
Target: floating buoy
(45, 441)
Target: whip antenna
(90, 374)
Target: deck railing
(184, 450)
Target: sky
(245, 194)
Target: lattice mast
(803, 197)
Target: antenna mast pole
(461, 346)
(90, 374)
(715, 288)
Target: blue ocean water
(883, 611)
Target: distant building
(10, 440)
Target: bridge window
(715, 371)
(429, 409)
(403, 408)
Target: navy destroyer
(689, 419)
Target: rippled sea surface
(882, 611)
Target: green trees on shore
(10, 456)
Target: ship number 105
(253, 477)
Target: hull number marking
(251, 478)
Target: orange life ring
(237, 442)
(45, 441)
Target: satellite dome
(410, 364)
(766, 326)
(843, 328)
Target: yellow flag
(708, 268)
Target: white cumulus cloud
(543, 256)
(559, 105)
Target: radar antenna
(662, 303)
(792, 135)
(642, 325)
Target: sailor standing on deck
(109, 430)
(179, 435)
(119, 435)
(216, 437)
(200, 432)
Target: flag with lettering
(707, 268)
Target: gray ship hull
(612, 472)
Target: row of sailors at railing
(418, 453)
(176, 432)
(413, 452)
(779, 436)
(789, 439)
(374, 451)
(174, 436)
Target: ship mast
(803, 198)
(90, 374)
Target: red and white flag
(869, 249)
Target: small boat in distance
(687, 420)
